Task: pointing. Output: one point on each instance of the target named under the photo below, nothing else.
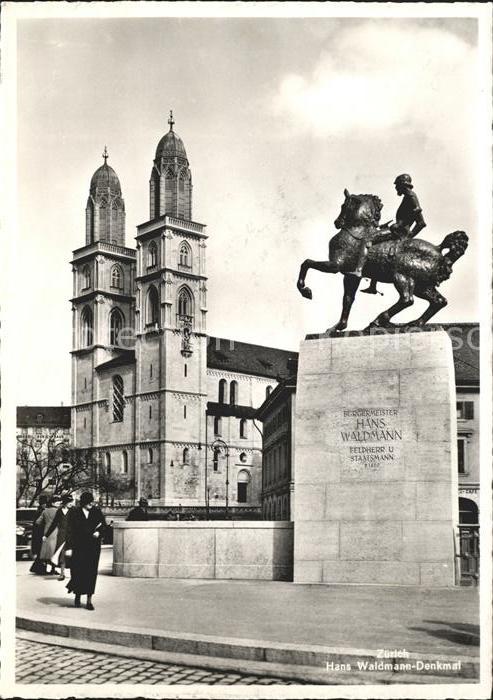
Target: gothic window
(242, 484)
(118, 398)
(222, 390)
(186, 455)
(185, 305)
(215, 460)
(152, 314)
(217, 425)
(107, 459)
(233, 393)
(87, 327)
(150, 456)
(152, 254)
(116, 325)
(243, 428)
(185, 257)
(116, 277)
(268, 391)
(124, 462)
(86, 277)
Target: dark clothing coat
(38, 532)
(138, 513)
(60, 521)
(85, 548)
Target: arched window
(186, 455)
(118, 398)
(116, 277)
(215, 459)
(468, 512)
(268, 391)
(107, 459)
(185, 303)
(116, 324)
(243, 428)
(233, 393)
(86, 277)
(150, 456)
(222, 390)
(86, 327)
(243, 457)
(124, 462)
(152, 254)
(185, 257)
(243, 481)
(217, 425)
(152, 310)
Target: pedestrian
(48, 545)
(38, 567)
(85, 528)
(59, 524)
(140, 511)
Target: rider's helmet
(403, 179)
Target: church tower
(103, 321)
(170, 351)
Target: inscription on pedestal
(369, 438)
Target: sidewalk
(297, 623)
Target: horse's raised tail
(456, 245)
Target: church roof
(171, 146)
(104, 178)
(235, 356)
(43, 416)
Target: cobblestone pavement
(37, 662)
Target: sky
(278, 116)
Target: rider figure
(408, 213)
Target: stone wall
(204, 549)
(375, 460)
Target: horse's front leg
(321, 266)
(351, 284)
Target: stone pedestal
(375, 467)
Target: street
(37, 662)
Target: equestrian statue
(387, 253)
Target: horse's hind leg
(351, 284)
(321, 266)
(404, 286)
(437, 302)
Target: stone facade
(375, 461)
(164, 406)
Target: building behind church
(164, 407)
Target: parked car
(24, 532)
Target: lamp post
(220, 444)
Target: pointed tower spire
(171, 121)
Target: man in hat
(408, 213)
(59, 523)
(140, 511)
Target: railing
(185, 225)
(469, 554)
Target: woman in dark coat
(85, 528)
(38, 567)
(48, 546)
(60, 521)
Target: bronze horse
(414, 266)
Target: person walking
(38, 567)
(48, 545)
(85, 528)
(60, 522)
(140, 511)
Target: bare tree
(45, 461)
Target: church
(167, 410)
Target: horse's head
(359, 209)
